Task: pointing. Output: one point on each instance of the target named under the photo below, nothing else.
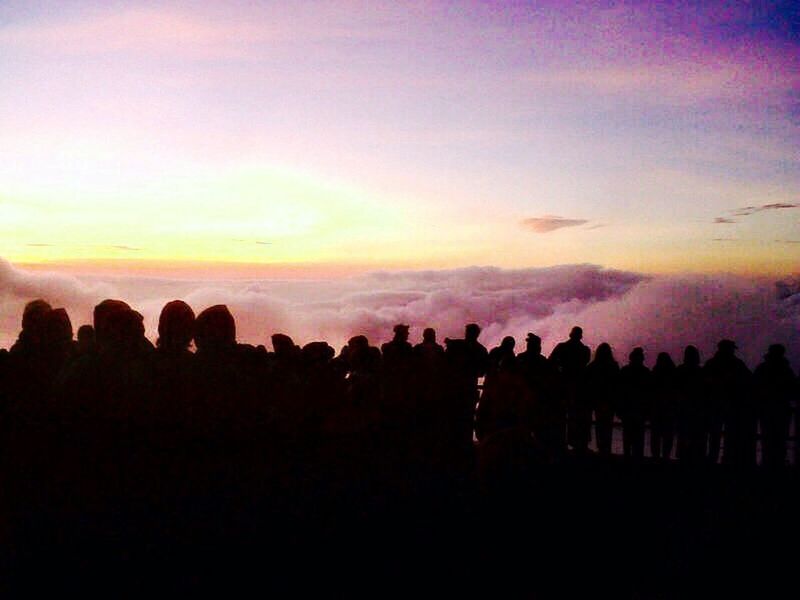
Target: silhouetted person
(693, 408)
(488, 407)
(323, 387)
(506, 402)
(103, 312)
(429, 386)
(398, 358)
(58, 328)
(467, 361)
(429, 347)
(86, 340)
(548, 407)
(429, 371)
(601, 383)
(286, 352)
(363, 380)
(104, 401)
(217, 372)
(733, 406)
(664, 407)
(30, 337)
(499, 353)
(635, 390)
(175, 327)
(776, 387)
(284, 386)
(42, 348)
(173, 373)
(571, 358)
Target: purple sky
(387, 134)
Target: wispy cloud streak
(550, 223)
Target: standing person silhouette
(776, 386)
(635, 389)
(570, 358)
(664, 407)
(467, 361)
(733, 407)
(601, 381)
(398, 357)
(693, 405)
(548, 411)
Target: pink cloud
(550, 223)
(206, 34)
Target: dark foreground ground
(359, 521)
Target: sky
(331, 168)
(340, 137)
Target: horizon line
(179, 269)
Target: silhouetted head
(726, 347)
(604, 353)
(358, 341)
(533, 343)
(472, 331)
(34, 312)
(775, 352)
(401, 332)
(576, 334)
(86, 340)
(103, 313)
(215, 329)
(124, 330)
(664, 361)
(282, 344)
(636, 357)
(691, 356)
(429, 335)
(317, 353)
(33, 321)
(175, 325)
(508, 343)
(57, 327)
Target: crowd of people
(114, 382)
(121, 456)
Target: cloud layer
(625, 308)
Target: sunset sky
(656, 137)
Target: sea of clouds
(627, 309)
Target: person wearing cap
(732, 407)
(776, 387)
(547, 407)
(398, 358)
